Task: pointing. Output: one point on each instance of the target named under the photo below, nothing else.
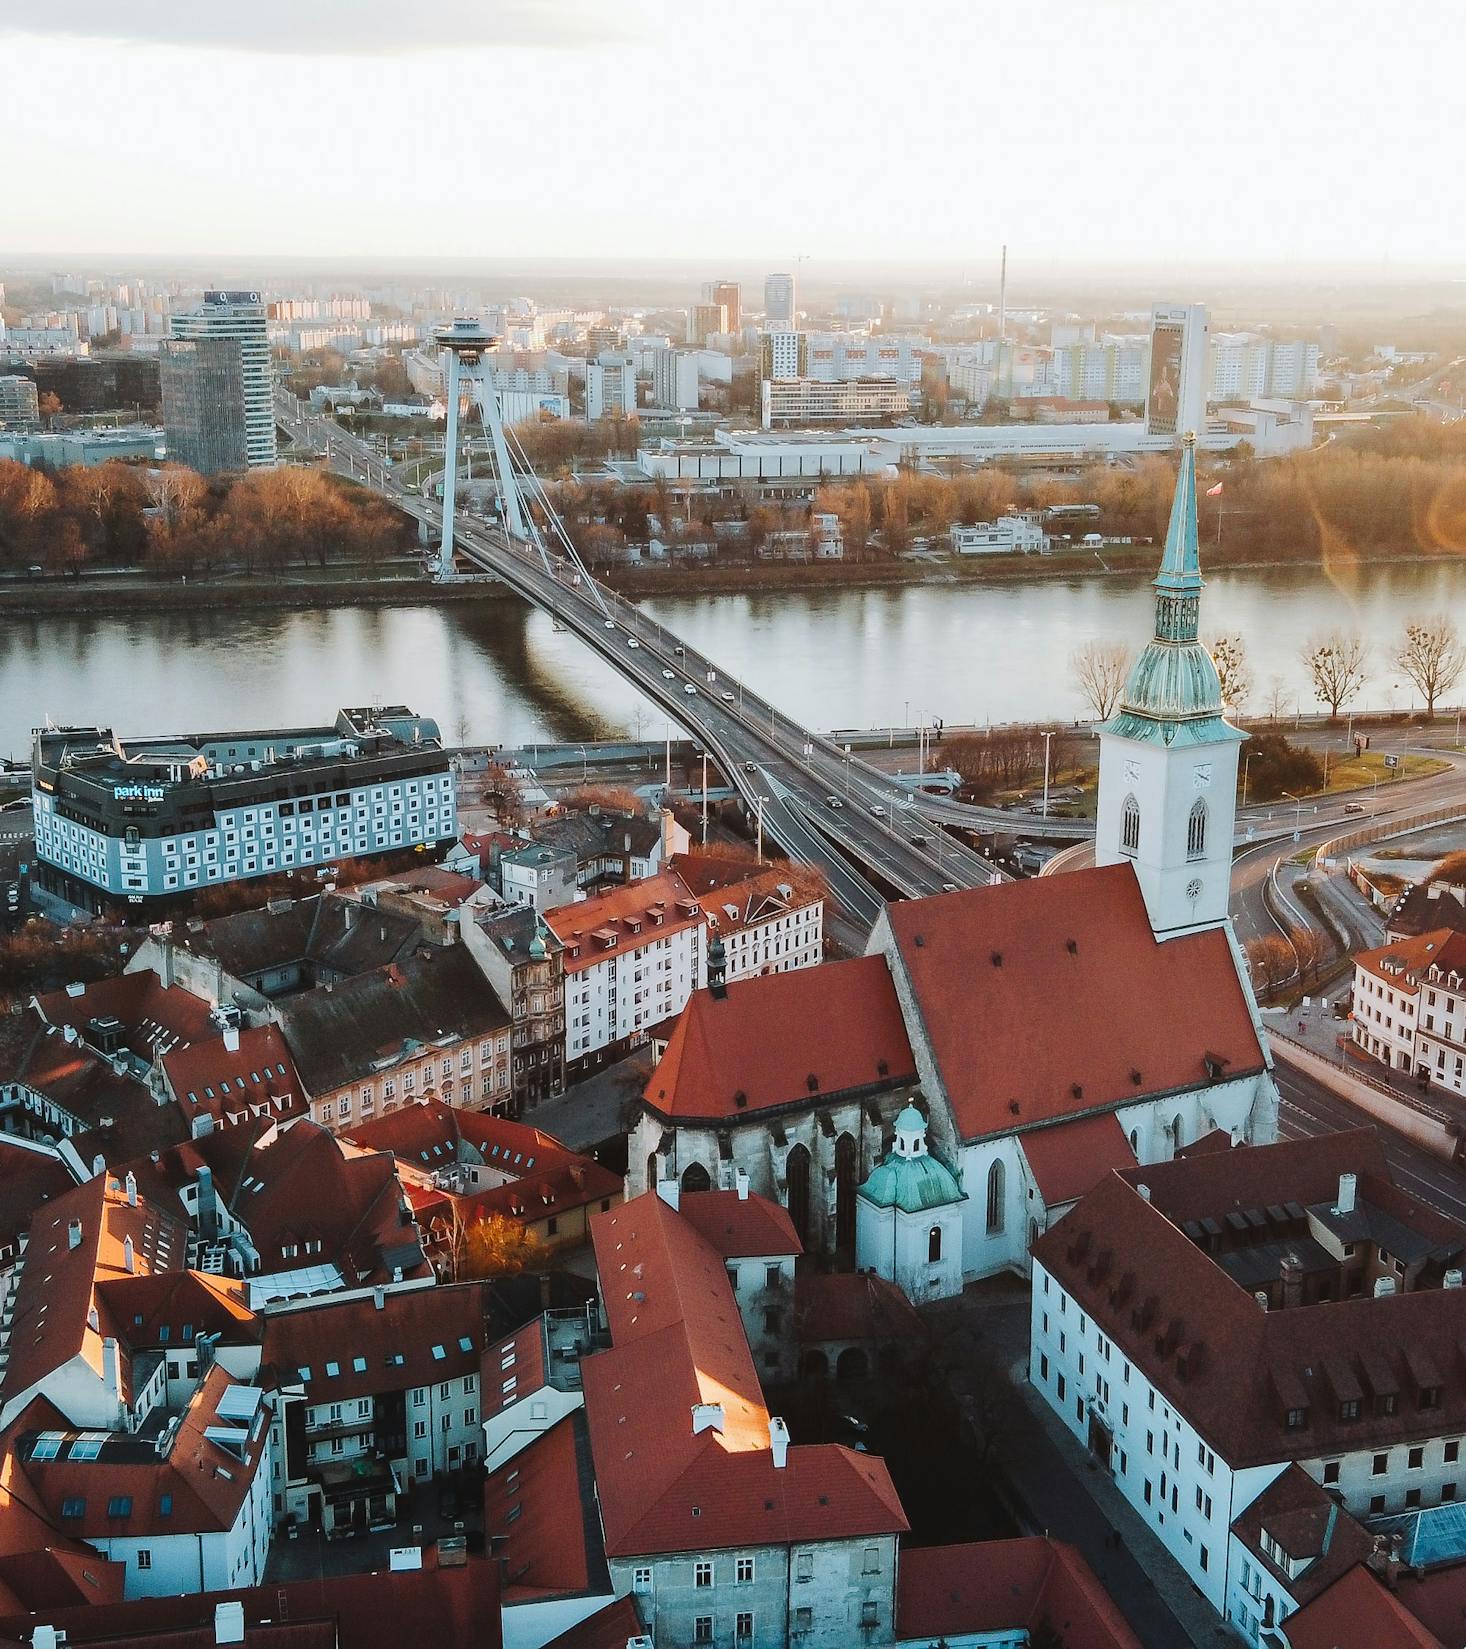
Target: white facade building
(1410, 1006)
(1019, 534)
(633, 956)
(675, 379)
(19, 400)
(1111, 370)
(781, 300)
(610, 387)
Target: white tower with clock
(1168, 756)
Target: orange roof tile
(633, 913)
(210, 1079)
(839, 1024)
(740, 1227)
(1053, 995)
(1403, 963)
(544, 1543)
(1066, 1161)
(1357, 1610)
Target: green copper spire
(1173, 690)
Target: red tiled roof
(520, 1356)
(449, 1608)
(608, 1628)
(56, 1576)
(207, 1482)
(740, 1227)
(854, 1306)
(30, 1175)
(1004, 1586)
(61, 1312)
(1357, 1611)
(626, 913)
(154, 1015)
(1306, 1521)
(208, 1079)
(423, 1327)
(1234, 1370)
(679, 1343)
(1053, 995)
(544, 1546)
(1442, 947)
(1066, 1161)
(839, 1024)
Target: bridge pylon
(467, 343)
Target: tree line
(173, 520)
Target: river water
(495, 671)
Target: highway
(818, 803)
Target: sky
(1271, 132)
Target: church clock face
(1193, 890)
(1132, 772)
(1201, 775)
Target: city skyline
(1171, 152)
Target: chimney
(379, 1297)
(670, 1191)
(206, 1208)
(47, 1637)
(707, 1417)
(1452, 1278)
(129, 1255)
(740, 1183)
(73, 1234)
(779, 1441)
(1383, 1286)
(231, 1039)
(1260, 1295)
(111, 1370)
(1292, 1276)
(229, 1622)
(130, 1185)
(1348, 1189)
(1143, 1192)
(164, 966)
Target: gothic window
(1130, 826)
(934, 1243)
(995, 1199)
(1196, 831)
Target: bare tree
(1272, 962)
(1100, 669)
(1338, 664)
(1229, 654)
(1277, 699)
(1433, 657)
(503, 793)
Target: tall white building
(836, 357)
(1168, 756)
(240, 317)
(1175, 400)
(610, 387)
(675, 379)
(1110, 370)
(781, 301)
(1243, 366)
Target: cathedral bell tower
(1168, 756)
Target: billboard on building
(1163, 398)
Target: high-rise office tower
(730, 295)
(218, 399)
(780, 303)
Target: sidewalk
(1057, 1492)
(1148, 1586)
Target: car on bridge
(689, 689)
(631, 641)
(727, 698)
(833, 801)
(668, 675)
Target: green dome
(910, 1121)
(912, 1183)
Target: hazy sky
(1258, 130)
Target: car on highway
(1353, 807)
(727, 698)
(949, 887)
(750, 767)
(921, 841)
(877, 811)
(668, 675)
(833, 801)
(610, 624)
(680, 650)
(631, 641)
(689, 689)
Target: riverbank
(400, 585)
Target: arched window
(696, 1178)
(934, 1243)
(1130, 826)
(995, 1199)
(1196, 831)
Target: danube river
(496, 672)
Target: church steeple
(1168, 756)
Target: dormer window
(1349, 1409)
(1297, 1419)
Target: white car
(610, 623)
(632, 642)
(727, 698)
(667, 675)
(689, 689)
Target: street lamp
(1048, 741)
(1246, 763)
(1297, 802)
(760, 845)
